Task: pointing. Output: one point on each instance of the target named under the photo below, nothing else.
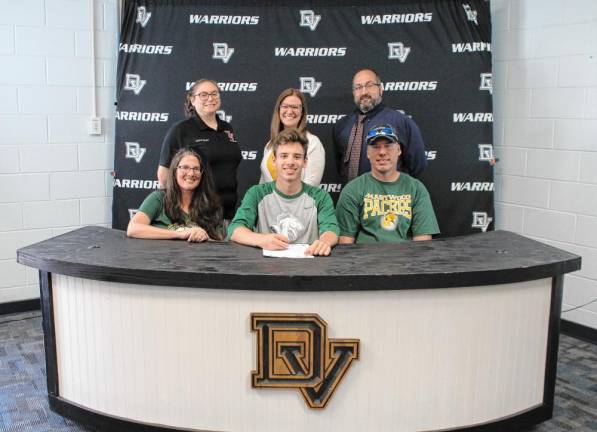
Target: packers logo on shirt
(389, 221)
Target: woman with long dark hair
(205, 132)
(188, 208)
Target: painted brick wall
(54, 176)
(545, 105)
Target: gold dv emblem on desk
(293, 351)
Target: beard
(366, 103)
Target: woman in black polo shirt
(205, 133)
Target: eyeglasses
(291, 107)
(186, 168)
(382, 131)
(204, 95)
(368, 86)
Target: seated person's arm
(323, 246)
(327, 225)
(139, 227)
(271, 241)
(347, 212)
(424, 223)
(240, 231)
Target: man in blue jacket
(349, 132)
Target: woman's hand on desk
(196, 234)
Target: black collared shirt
(219, 147)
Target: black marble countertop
(480, 259)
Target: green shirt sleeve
(348, 211)
(246, 215)
(152, 205)
(424, 221)
(326, 216)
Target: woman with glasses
(290, 112)
(204, 132)
(187, 209)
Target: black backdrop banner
(434, 58)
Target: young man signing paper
(273, 215)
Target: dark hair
(277, 126)
(205, 208)
(377, 77)
(290, 136)
(189, 109)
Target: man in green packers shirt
(385, 205)
(274, 214)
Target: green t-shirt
(153, 207)
(301, 217)
(371, 211)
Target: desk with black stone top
(454, 334)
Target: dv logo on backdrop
(486, 153)
(309, 19)
(222, 51)
(309, 86)
(142, 16)
(471, 14)
(134, 151)
(134, 83)
(223, 116)
(486, 82)
(398, 51)
(481, 220)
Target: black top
(495, 257)
(219, 147)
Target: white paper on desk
(294, 251)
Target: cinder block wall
(545, 105)
(54, 176)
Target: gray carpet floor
(24, 404)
